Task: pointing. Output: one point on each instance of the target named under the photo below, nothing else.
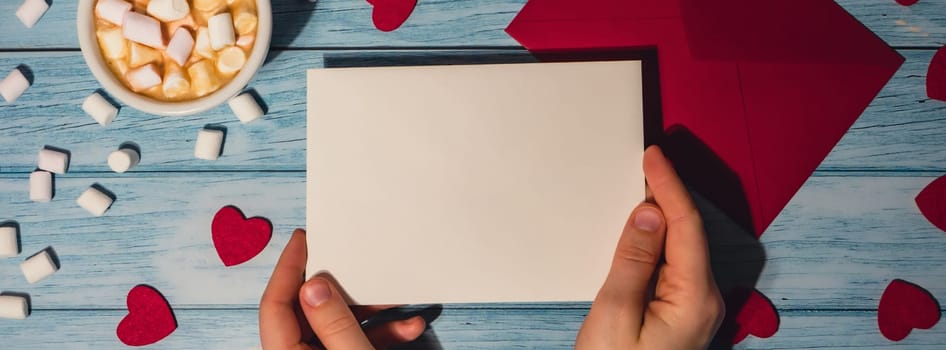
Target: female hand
(285, 323)
(660, 292)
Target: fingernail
(647, 219)
(316, 292)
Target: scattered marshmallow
(245, 107)
(143, 78)
(95, 201)
(31, 11)
(209, 144)
(123, 160)
(14, 85)
(168, 10)
(112, 11)
(97, 107)
(9, 243)
(53, 161)
(41, 186)
(230, 60)
(39, 266)
(221, 31)
(143, 29)
(14, 307)
(180, 47)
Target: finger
(396, 332)
(330, 317)
(687, 250)
(638, 251)
(278, 324)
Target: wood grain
(836, 246)
(456, 328)
(824, 261)
(347, 24)
(901, 130)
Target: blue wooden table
(827, 258)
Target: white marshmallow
(97, 107)
(179, 49)
(123, 159)
(204, 79)
(168, 10)
(94, 201)
(209, 6)
(230, 60)
(246, 41)
(143, 78)
(112, 11)
(53, 161)
(139, 55)
(113, 44)
(143, 29)
(14, 307)
(41, 186)
(9, 243)
(208, 145)
(31, 11)
(246, 108)
(14, 85)
(38, 267)
(221, 31)
(203, 44)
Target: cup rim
(91, 53)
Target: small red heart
(936, 76)
(749, 312)
(388, 15)
(149, 318)
(238, 239)
(905, 306)
(932, 202)
(907, 2)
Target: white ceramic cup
(89, 44)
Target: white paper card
(488, 183)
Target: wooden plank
(344, 23)
(901, 130)
(836, 246)
(456, 328)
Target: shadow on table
(289, 19)
(737, 255)
(428, 340)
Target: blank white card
(487, 183)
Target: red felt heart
(388, 15)
(905, 306)
(936, 76)
(149, 318)
(238, 239)
(932, 202)
(907, 2)
(749, 312)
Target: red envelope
(765, 88)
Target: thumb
(638, 252)
(330, 317)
